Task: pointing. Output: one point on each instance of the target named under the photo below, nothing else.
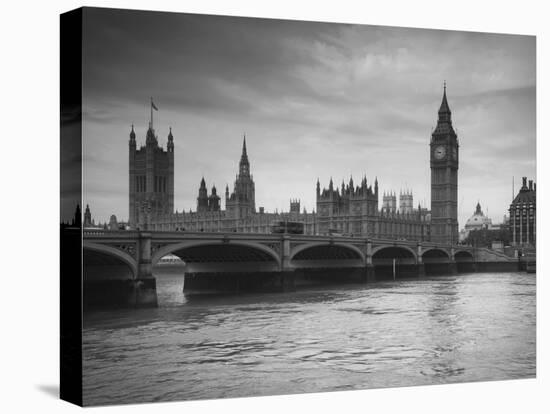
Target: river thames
(476, 327)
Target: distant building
(113, 223)
(406, 205)
(523, 213)
(354, 210)
(477, 221)
(389, 203)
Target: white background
(29, 142)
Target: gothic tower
(202, 199)
(241, 203)
(214, 200)
(87, 217)
(151, 179)
(406, 202)
(444, 177)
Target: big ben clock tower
(444, 168)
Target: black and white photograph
(272, 207)
(277, 207)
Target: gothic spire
(244, 166)
(444, 110)
(478, 208)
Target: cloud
(314, 99)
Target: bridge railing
(126, 234)
(110, 233)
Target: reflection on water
(451, 329)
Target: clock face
(455, 153)
(440, 152)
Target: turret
(295, 206)
(87, 217)
(151, 139)
(202, 199)
(214, 200)
(170, 145)
(478, 209)
(318, 188)
(132, 138)
(444, 113)
(244, 165)
(524, 186)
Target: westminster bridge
(118, 265)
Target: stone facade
(348, 210)
(523, 215)
(354, 211)
(151, 176)
(444, 177)
(240, 214)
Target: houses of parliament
(351, 209)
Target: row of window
(159, 184)
(531, 212)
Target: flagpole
(151, 112)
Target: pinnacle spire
(244, 165)
(478, 208)
(444, 108)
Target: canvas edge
(71, 188)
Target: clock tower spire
(444, 177)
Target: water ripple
(471, 328)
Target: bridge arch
(94, 252)
(405, 251)
(435, 252)
(464, 261)
(464, 255)
(394, 261)
(436, 261)
(213, 251)
(345, 250)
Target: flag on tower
(154, 106)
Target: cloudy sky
(316, 100)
